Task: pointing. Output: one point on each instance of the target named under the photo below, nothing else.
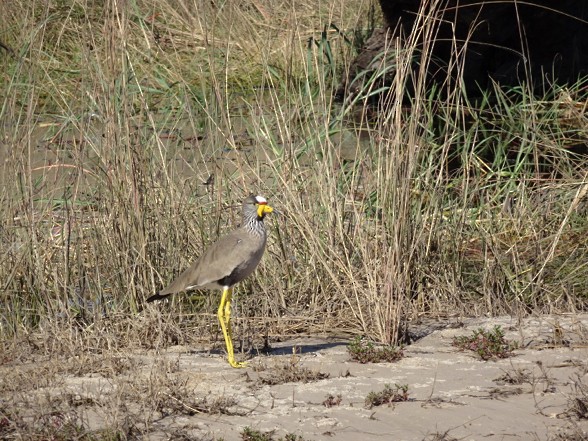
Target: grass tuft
(332, 400)
(389, 395)
(578, 404)
(364, 351)
(290, 371)
(249, 434)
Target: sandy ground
(186, 393)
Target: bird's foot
(237, 364)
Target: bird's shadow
(289, 348)
(278, 348)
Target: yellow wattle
(262, 210)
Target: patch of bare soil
(310, 389)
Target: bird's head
(258, 205)
(262, 207)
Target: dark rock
(538, 41)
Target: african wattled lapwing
(227, 262)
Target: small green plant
(291, 437)
(487, 344)
(250, 434)
(388, 396)
(364, 351)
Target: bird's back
(226, 262)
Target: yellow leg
(224, 317)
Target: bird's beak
(263, 209)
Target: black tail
(157, 296)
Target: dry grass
(578, 401)
(288, 371)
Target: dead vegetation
(333, 400)
(66, 398)
(440, 436)
(388, 395)
(288, 371)
(515, 376)
(578, 401)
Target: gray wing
(226, 262)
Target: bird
(225, 263)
